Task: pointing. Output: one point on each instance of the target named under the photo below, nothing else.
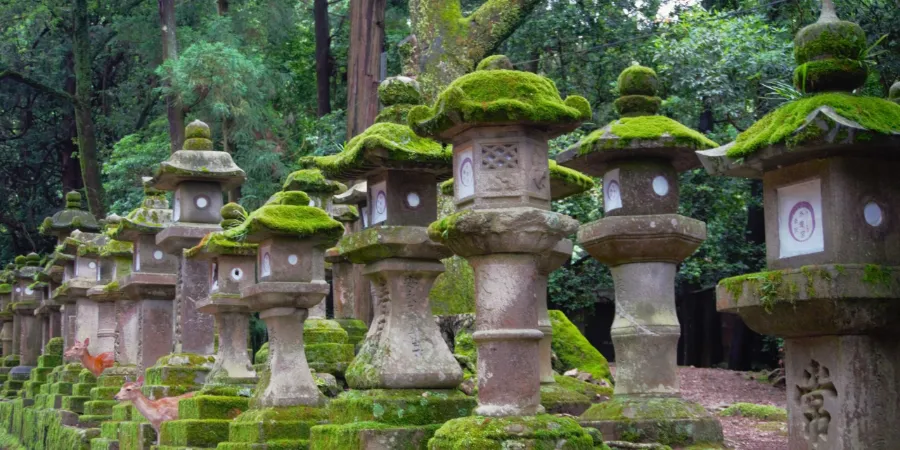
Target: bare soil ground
(716, 389)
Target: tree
(174, 108)
(87, 140)
(364, 65)
(446, 45)
(323, 57)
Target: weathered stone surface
(669, 421)
(631, 239)
(507, 230)
(290, 382)
(551, 261)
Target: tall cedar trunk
(450, 45)
(71, 170)
(87, 141)
(364, 65)
(222, 7)
(323, 57)
(174, 109)
(234, 195)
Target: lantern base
(662, 420)
(542, 431)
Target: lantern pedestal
(557, 256)
(841, 347)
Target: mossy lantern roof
(150, 218)
(826, 122)
(31, 267)
(69, 219)
(495, 95)
(312, 181)
(639, 134)
(198, 162)
(388, 144)
(564, 182)
(287, 214)
(220, 243)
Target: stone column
(193, 330)
(6, 337)
(290, 381)
(29, 339)
(546, 265)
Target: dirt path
(716, 389)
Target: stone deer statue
(95, 363)
(155, 411)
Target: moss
(313, 182)
(878, 276)
(637, 105)
(495, 62)
(369, 245)
(262, 355)
(54, 347)
(398, 114)
(212, 407)
(499, 97)
(833, 39)
(780, 126)
(589, 390)
(218, 244)
(5, 288)
(830, 75)
(466, 353)
(194, 433)
(755, 411)
(399, 90)
(289, 219)
(197, 129)
(543, 432)
(770, 287)
(454, 290)
(629, 129)
(638, 80)
(349, 436)
(329, 357)
(323, 331)
(383, 145)
(274, 424)
(443, 229)
(574, 350)
(400, 406)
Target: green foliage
(755, 411)
(574, 350)
(133, 157)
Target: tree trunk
(174, 109)
(222, 7)
(364, 65)
(87, 141)
(450, 45)
(323, 57)
(70, 168)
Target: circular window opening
(237, 274)
(292, 260)
(18, 289)
(29, 291)
(92, 265)
(660, 185)
(873, 214)
(201, 201)
(413, 200)
(158, 255)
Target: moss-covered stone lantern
(292, 237)
(145, 314)
(499, 122)
(26, 329)
(72, 218)
(643, 239)
(115, 259)
(80, 313)
(831, 198)
(198, 175)
(232, 268)
(6, 318)
(351, 290)
(894, 92)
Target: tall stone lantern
(643, 239)
(144, 315)
(499, 122)
(25, 300)
(292, 237)
(351, 290)
(232, 268)
(116, 260)
(197, 175)
(829, 165)
(6, 290)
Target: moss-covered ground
(755, 411)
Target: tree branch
(495, 20)
(35, 84)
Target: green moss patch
(351, 435)
(780, 126)
(384, 145)
(219, 244)
(499, 97)
(287, 219)
(312, 181)
(543, 432)
(621, 133)
(754, 411)
(400, 406)
(574, 351)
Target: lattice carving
(499, 156)
(814, 388)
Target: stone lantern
(643, 239)
(831, 198)
(115, 259)
(25, 300)
(292, 238)
(144, 315)
(80, 317)
(894, 92)
(64, 222)
(198, 175)
(232, 268)
(6, 290)
(502, 228)
(49, 311)
(351, 290)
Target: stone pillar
(290, 381)
(29, 339)
(6, 338)
(547, 264)
(68, 312)
(193, 330)
(232, 356)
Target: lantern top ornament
(197, 161)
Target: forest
(93, 94)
